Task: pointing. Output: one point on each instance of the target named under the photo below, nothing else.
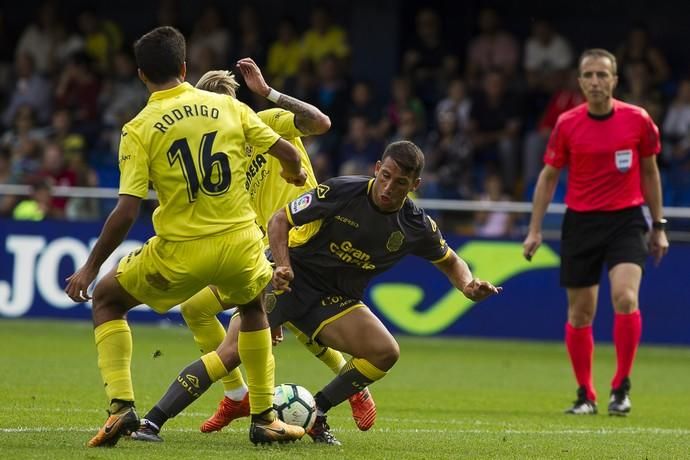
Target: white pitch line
(576, 431)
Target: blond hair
(219, 81)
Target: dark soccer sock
(192, 382)
(356, 375)
(580, 344)
(627, 329)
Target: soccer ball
(294, 405)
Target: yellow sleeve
(282, 122)
(134, 165)
(256, 132)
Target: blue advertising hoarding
(412, 298)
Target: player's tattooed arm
(308, 119)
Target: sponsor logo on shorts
(300, 203)
(270, 302)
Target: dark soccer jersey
(355, 240)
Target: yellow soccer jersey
(190, 144)
(268, 191)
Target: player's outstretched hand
(479, 290)
(298, 180)
(531, 244)
(282, 275)
(78, 284)
(252, 76)
(277, 335)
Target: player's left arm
(114, 231)
(308, 119)
(458, 273)
(651, 187)
(650, 145)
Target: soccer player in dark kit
(609, 148)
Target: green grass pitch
(445, 398)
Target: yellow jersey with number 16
(189, 144)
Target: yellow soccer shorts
(162, 274)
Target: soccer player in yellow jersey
(268, 193)
(190, 144)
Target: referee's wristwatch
(659, 224)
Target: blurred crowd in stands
(482, 114)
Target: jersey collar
(172, 92)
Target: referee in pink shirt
(609, 148)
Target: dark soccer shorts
(591, 238)
(307, 307)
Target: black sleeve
(319, 203)
(432, 246)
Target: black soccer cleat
(320, 432)
(620, 404)
(582, 405)
(147, 432)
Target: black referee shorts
(591, 238)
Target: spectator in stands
(122, 91)
(332, 91)
(284, 54)
(676, 127)
(24, 142)
(494, 128)
(55, 172)
(79, 208)
(38, 206)
(458, 102)
(641, 92)
(535, 140)
(402, 98)
(39, 37)
(493, 224)
(448, 169)
(638, 48)
(359, 151)
(30, 89)
(324, 38)
(493, 49)
(102, 38)
(547, 54)
(362, 104)
(62, 133)
(209, 31)
(250, 40)
(78, 89)
(425, 60)
(409, 128)
(7, 202)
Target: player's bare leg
(374, 351)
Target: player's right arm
(543, 194)
(556, 157)
(134, 179)
(290, 162)
(308, 119)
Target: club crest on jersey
(624, 159)
(300, 203)
(395, 241)
(321, 191)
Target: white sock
(237, 394)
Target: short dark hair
(598, 53)
(160, 54)
(407, 156)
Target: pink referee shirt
(603, 156)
